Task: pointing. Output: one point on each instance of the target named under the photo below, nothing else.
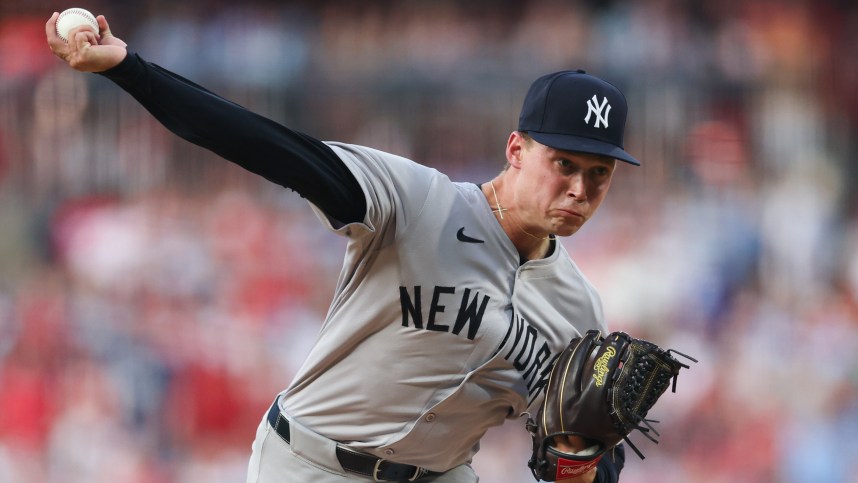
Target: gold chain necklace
(500, 211)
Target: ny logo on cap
(593, 107)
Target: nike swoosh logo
(460, 235)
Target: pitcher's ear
(515, 146)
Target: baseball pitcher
(455, 299)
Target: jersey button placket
(430, 417)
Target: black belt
(359, 463)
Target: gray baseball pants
(312, 457)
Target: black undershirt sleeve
(611, 465)
(284, 156)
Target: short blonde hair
(528, 141)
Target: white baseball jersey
(436, 331)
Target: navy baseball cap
(575, 111)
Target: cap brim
(567, 142)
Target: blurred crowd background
(154, 298)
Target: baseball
(72, 18)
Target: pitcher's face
(557, 191)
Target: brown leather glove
(599, 389)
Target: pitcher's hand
(86, 50)
(574, 444)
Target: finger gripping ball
(72, 18)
